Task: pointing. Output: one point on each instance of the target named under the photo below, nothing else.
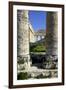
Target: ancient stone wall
(31, 34)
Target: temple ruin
(26, 34)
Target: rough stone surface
(52, 34)
(22, 35)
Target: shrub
(38, 48)
(22, 76)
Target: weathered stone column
(23, 37)
(52, 35)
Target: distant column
(52, 34)
(23, 36)
(37, 38)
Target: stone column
(52, 35)
(40, 37)
(23, 37)
(36, 38)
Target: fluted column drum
(23, 36)
(52, 34)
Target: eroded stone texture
(22, 36)
(52, 35)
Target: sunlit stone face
(22, 33)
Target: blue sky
(38, 19)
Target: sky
(37, 19)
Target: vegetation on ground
(22, 76)
(37, 47)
